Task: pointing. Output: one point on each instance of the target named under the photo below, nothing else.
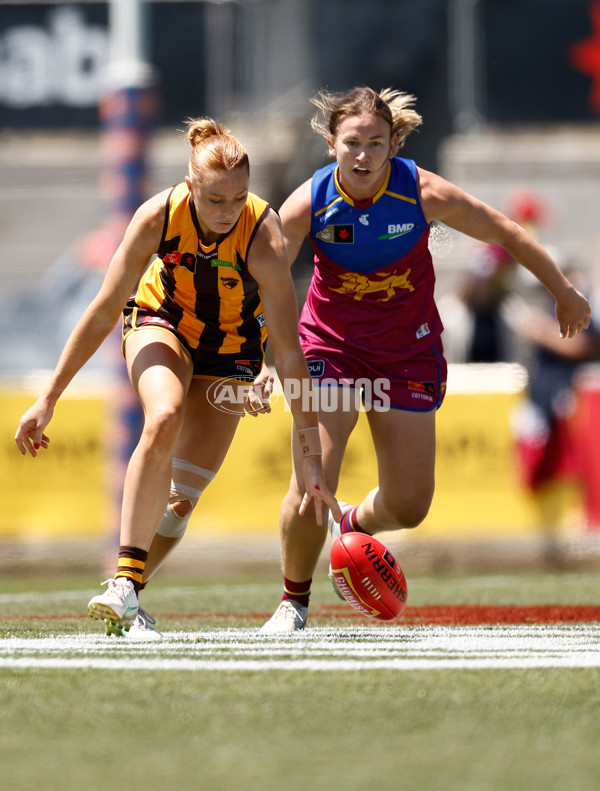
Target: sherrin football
(368, 576)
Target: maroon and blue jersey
(372, 290)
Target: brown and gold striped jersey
(204, 291)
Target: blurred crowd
(499, 313)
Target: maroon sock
(349, 523)
(296, 591)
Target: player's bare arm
(140, 241)
(295, 219)
(268, 264)
(447, 203)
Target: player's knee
(412, 518)
(174, 523)
(162, 425)
(182, 508)
(408, 513)
(183, 498)
(177, 515)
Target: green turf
(215, 603)
(427, 730)
(463, 731)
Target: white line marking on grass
(54, 596)
(319, 649)
(83, 595)
(304, 664)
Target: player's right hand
(30, 435)
(317, 491)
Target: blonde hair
(393, 106)
(213, 148)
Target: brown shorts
(242, 366)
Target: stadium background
(510, 96)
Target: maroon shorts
(417, 384)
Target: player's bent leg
(385, 509)
(201, 448)
(405, 448)
(188, 482)
(160, 371)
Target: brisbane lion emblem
(358, 284)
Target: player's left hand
(257, 400)
(316, 490)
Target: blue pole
(127, 114)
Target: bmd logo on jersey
(394, 231)
(337, 234)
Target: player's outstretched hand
(317, 490)
(30, 435)
(573, 313)
(257, 400)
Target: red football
(368, 576)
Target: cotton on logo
(65, 63)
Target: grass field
(506, 698)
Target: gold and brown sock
(132, 561)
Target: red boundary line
(433, 614)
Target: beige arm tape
(310, 442)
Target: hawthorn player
(198, 313)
